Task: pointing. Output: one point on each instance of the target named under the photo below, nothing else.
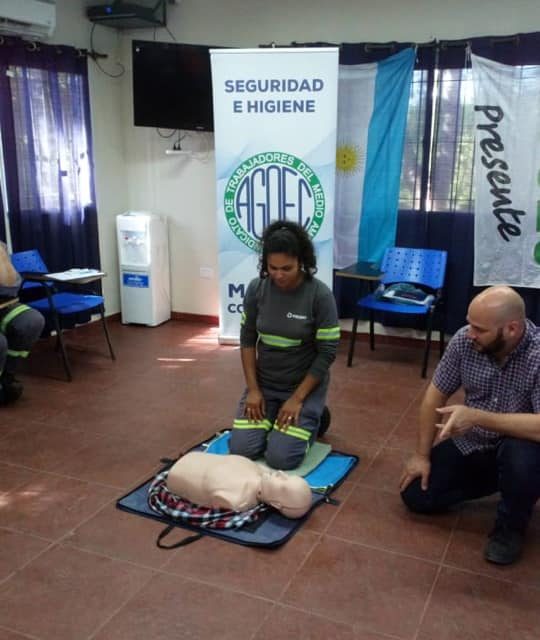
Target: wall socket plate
(206, 272)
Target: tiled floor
(73, 567)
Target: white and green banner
(507, 174)
(275, 113)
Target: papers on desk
(75, 274)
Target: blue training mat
(327, 474)
(271, 529)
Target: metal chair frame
(423, 267)
(57, 303)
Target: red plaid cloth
(162, 501)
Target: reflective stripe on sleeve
(331, 333)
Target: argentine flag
(372, 117)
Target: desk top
(34, 276)
(360, 271)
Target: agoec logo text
(272, 186)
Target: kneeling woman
(288, 339)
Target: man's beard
(495, 346)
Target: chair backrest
(29, 260)
(418, 266)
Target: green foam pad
(316, 454)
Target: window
(47, 153)
(51, 142)
(411, 173)
(448, 173)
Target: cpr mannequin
(237, 483)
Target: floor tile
(13, 477)
(42, 446)
(373, 590)
(175, 607)
(115, 461)
(472, 607)
(51, 505)
(466, 549)
(320, 517)
(385, 469)
(285, 622)
(263, 572)
(67, 594)
(379, 519)
(16, 549)
(122, 535)
(5, 634)
(363, 425)
(375, 395)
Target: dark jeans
(513, 468)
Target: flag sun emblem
(348, 158)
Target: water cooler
(143, 251)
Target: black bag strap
(180, 543)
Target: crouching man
(491, 443)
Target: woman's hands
(289, 413)
(254, 409)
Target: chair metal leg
(353, 339)
(441, 343)
(64, 357)
(372, 330)
(59, 337)
(427, 345)
(104, 322)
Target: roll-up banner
(275, 113)
(506, 174)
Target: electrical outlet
(206, 272)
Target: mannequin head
(290, 495)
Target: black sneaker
(504, 545)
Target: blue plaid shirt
(513, 387)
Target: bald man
(491, 443)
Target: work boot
(324, 424)
(10, 389)
(504, 545)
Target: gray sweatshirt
(296, 332)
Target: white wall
(132, 170)
(108, 132)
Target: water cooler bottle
(143, 251)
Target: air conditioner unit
(28, 18)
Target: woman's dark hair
(291, 239)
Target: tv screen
(172, 86)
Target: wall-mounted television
(172, 86)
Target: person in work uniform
(20, 327)
(288, 339)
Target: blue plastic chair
(423, 268)
(57, 305)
